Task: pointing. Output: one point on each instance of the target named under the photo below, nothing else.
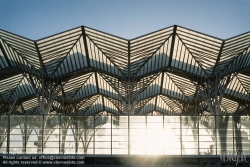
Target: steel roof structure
(82, 71)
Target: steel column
(8, 134)
(233, 128)
(215, 127)
(146, 137)
(76, 134)
(111, 132)
(181, 134)
(60, 128)
(198, 134)
(163, 131)
(25, 133)
(94, 137)
(42, 130)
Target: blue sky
(36, 19)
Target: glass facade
(124, 135)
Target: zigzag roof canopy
(86, 71)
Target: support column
(64, 130)
(8, 134)
(146, 137)
(128, 135)
(94, 137)
(43, 131)
(76, 134)
(39, 142)
(237, 131)
(198, 118)
(215, 132)
(223, 137)
(111, 134)
(181, 133)
(25, 135)
(59, 149)
(163, 131)
(233, 134)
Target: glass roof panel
(115, 49)
(97, 106)
(229, 106)
(74, 61)
(74, 85)
(152, 89)
(159, 33)
(5, 34)
(239, 37)
(171, 105)
(86, 104)
(59, 36)
(236, 64)
(24, 47)
(164, 107)
(145, 47)
(100, 61)
(232, 49)
(110, 107)
(106, 89)
(23, 89)
(244, 80)
(185, 60)
(150, 106)
(53, 49)
(158, 61)
(92, 32)
(8, 85)
(29, 104)
(89, 88)
(236, 89)
(189, 32)
(3, 62)
(177, 87)
(203, 47)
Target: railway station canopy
(172, 91)
(82, 71)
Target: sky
(128, 19)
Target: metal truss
(83, 71)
